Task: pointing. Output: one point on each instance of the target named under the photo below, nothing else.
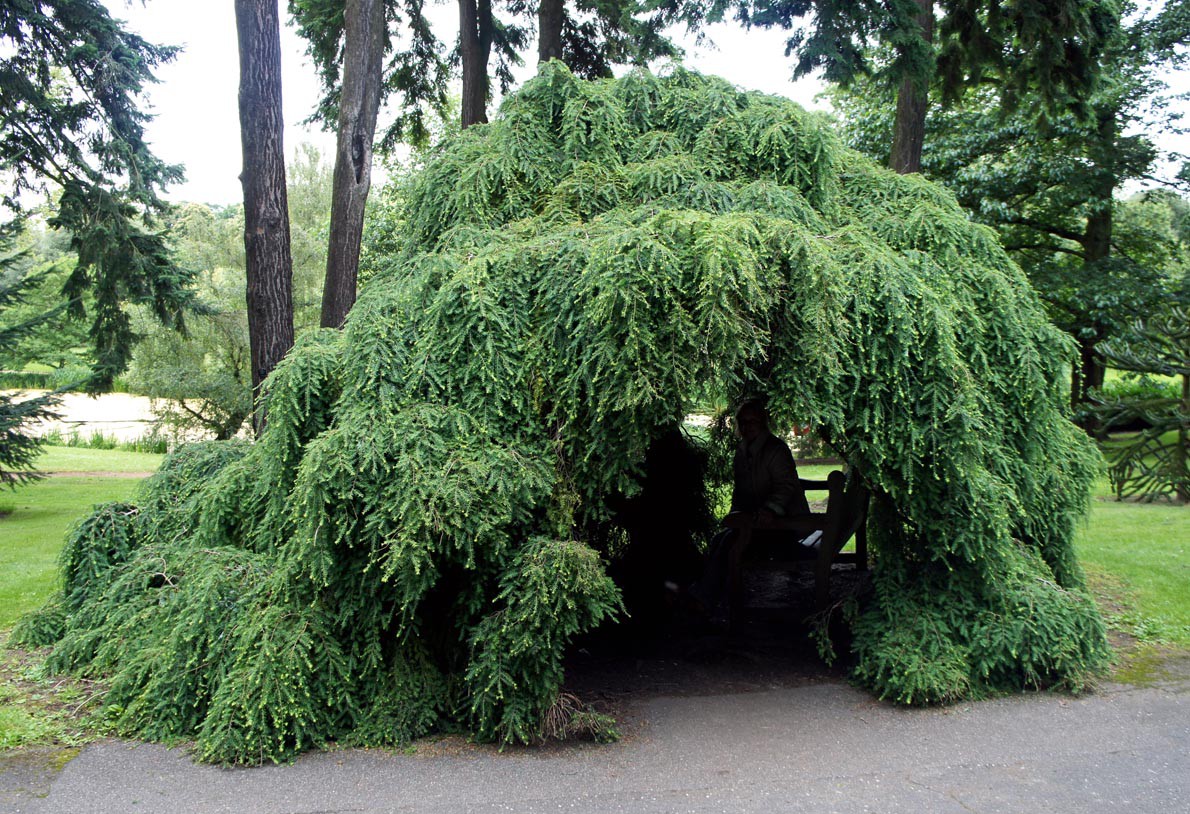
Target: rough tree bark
(1096, 247)
(1179, 453)
(266, 210)
(913, 99)
(363, 62)
(475, 47)
(549, 30)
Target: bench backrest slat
(846, 508)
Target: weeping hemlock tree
(409, 544)
(18, 446)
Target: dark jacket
(766, 478)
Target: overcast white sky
(197, 121)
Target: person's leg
(711, 589)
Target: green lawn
(1146, 547)
(33, 522)
(816, 471)
(81, 459)
(38, 515)
(33, 533)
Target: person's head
(751, 420)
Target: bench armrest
(800, 523)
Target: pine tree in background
(1048, 186)
(366, 52)
(1041, 47)
(70, 84)
(18, 446)
(61, 342)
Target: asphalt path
(818, 747)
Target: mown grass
(1145, 548)
(33, 533)
(34, 519)
(82, 459)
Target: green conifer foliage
(407, 547)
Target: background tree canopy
(71, 80)
(203, 381)
(410, 545)
(1048, 186)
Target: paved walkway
(819, 747)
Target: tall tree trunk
(549, 30)
(1179, 450)
(1088, 373)
(363, 62)
(913, 100)
(1096, 247)
(266, 208)
(475, 46)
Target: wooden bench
(845, 516)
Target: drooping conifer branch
(416, 537)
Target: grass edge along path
(36, 709)
(1136, 556)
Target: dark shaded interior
(662, 646)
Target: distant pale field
(121, 415)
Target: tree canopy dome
(558, 289)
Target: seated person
(665, 522)
(765, 488)
(765, 484)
